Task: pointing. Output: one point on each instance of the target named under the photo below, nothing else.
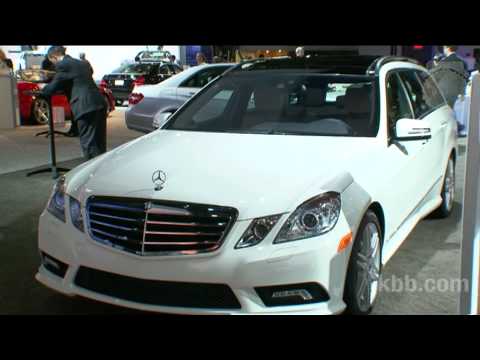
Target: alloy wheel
(449, 186)
(41, 111)
(368, 262)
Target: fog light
(292, 294)
(53, 265)
(48, 261)
(304, 294)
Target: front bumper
(305, 261)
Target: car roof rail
(374, 68)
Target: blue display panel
(192, 50)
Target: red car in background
(31, 107)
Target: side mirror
(160, 119)
(411, 130)
(137, 58)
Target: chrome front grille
(151, 227)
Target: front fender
(337, 183)
(355, 202)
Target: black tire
(107, 103)
(118, 102)
(448, 192)
(356, 273)
(40, 111)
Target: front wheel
(448, 192)
(364, 268)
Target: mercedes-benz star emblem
(158, 178)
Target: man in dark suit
(88, 106)
(49, 66)
(450, 52)
(451, 74)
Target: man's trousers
(92, 128)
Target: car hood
(257, 174)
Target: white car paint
(260, 176)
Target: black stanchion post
(53, 157)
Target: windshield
(282, 102)
(134, 68)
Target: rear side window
(416, 93)
(136, 68)
(203, 77)
(431, 93)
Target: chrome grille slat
(117, 237)
(181, 243)
(118, 207)
(166, 210)
(181, 233)
(193, 224)
(151, 227)
(114, 226)
(115, 217)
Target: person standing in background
(451, 75)
(450, 52)
(471, 63)
(174, 61)
(201, 59)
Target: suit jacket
(454, 57)
(451, 75)
(74, 78)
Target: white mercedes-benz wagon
(283, 186)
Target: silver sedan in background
(158, 101)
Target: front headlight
(76, 213)
(257, 231)
(314, 217)
(56, 205)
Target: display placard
(469, 299)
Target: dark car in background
(122, 80)
(149, 104)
